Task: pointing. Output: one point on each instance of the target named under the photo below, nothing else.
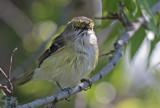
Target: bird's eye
(74, 27)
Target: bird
(71, 56)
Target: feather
(58, 44)
(24, 78)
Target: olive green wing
(58, 44)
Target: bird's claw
(68, 90)
(88, 81)
(64, 89)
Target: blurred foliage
(135, 43)
(124, 87)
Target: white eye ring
(74, 27)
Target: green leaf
(131, 5)
(148, 16)
(108, 6)
(136, 41)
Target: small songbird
(72, 55)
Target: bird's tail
(24, 78)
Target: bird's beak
(86, 27)
(81, 31)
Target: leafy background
(134, 82)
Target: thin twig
(112, 51)
(10, 67)
(3, 93)
(3, 73)
(120, 15)
(106, 17)
(7, 88)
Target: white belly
(66, 67)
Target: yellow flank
(63, 61)
(70, 64)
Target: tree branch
(119, 45)
(7, 90)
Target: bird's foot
(88, 81)
(68, 90)
(64, 89)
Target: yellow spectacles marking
(81, 25)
